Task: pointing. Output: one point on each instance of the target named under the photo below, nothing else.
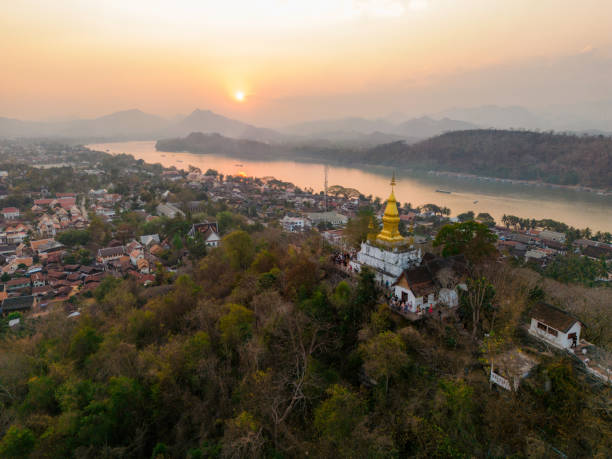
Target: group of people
(398, 305)
(403, 306)
(342, 258)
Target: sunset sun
(239, 96)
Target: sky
(299, 60)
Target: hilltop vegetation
(197, 142)
(554, 158)
(266, 349)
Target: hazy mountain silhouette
(137, 125)
(428, 127)
(128, 124)
(209, 122)
(495, 116)
(10, 127)
(413, 129)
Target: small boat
(238, 165)
(475, 202)
(443, 191)
(179, 160)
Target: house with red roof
(10, 213)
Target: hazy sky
(296, 60)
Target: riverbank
(301, 156)
(578, 209)
(578, 188)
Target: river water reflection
(579, 209)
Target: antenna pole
(326, 170)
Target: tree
(243, 437)
(177, 242)
(84, 343)
(384, 356)
(486, 218)
(228, 221)
(264, 262)
(466, 216)
(433, 208)
(476, 302)
(356, 229)
(17, 443)
(472, 239)
(354, 309)
(99, 232)
(74, 237)
(455, 411)
(196, 246)
(239, 249)
(236, 325)
(336, 418)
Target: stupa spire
(390, 233)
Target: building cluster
(54, 215)
(36, 274)
(542, 246)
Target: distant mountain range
(412, 130)
(352, 132)
(493, 116)
(137, 125)
(576, 118)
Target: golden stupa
(390, 235)
(371, 231)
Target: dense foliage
(574, 268)
(472, 239)
(266, 349)
(554, 158)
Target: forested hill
(553, 158)
(198, 142)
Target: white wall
(561, 340)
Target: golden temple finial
(411, 237)
(371, 230)
(390, 232)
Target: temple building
(387, 253)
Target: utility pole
(326, 170)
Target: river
(577, 208)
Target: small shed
(555, 326)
